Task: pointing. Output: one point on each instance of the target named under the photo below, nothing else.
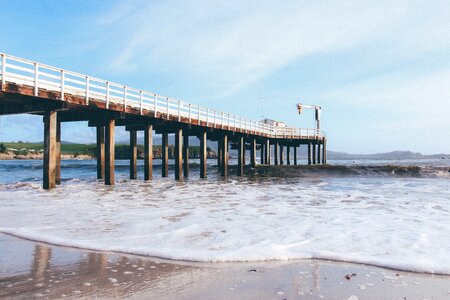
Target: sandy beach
(36, 270)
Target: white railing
(40, 76)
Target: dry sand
(34, 270)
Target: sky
(379, 69)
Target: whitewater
(394, 216)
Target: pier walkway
(64, 96)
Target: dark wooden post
(241, 153)
(263, 157)
(224, 144)
(288, 154)
(186, 154)
(295, 155)
(309, 154)
(267, 148)
(148, 152)
(219, 154)
(324, 155)
(109, 152)
(133, 154)
(50, 124)
(203, 154)
(165, 154)
(281, 155)
(178, 153)
(314, 153)
(100, 152)
(253, 153)
(58, 153)
(276, 154)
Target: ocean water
(393, 214)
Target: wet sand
(35, 270)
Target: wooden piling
(109, 152)
(318, 153)
(241, 153)
(324, 155)
(253, 152)
(58, 153)
(263, 157)
(295, 155)
(267, 148)
(219, 154)
(288, 154)
(186, 155)
(224, 144)
(148, 152)
(50, 124)
(281, 155)
(133, 154)
(165, 154)
(314, 161)
(178, 153)
(203, 154)
(100, 152)
(309, 154)
(276, 153)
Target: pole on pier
(324, 148)
(58, 153)
(109, 152)
(203, 154)
(178, 153)
(318, 153)
(100, 152)
(295, 155)
(253, 153)
(148, 152)
(241, 153)
(276, 155)
(224, 144)
(186, 155)
(219, 154)
(50, 124)
(133, 154)
(267, 148)
(281, 155)
(309, 154)
(314, 161)
(262, 154)
(288, 154)
(165, 154)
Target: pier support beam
(133, 154)
(276, 148)
(186, 155)
(295, 155)
(58, 153)
(314, 161)
(263, 157)
(318, 153)
(224, 163)
(178, 153)
(288, 154)
(324, 154)
(241, 153)
(148, 152)
(50, 124)
(165, 155)
(281, 155)
(253, 153)
(309, 154)
(267, 148)
(219, 154)
(203, 154)
(109, 152)
(100, 152)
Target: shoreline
(35, 269)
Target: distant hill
(394, 155)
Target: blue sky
(380, 69)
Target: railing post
(62, 84)
(207, 117)
(36, 78)
(167, 109)
(198, 111)
(3, 71)
(190, 113)
(214, 119)
(179, 110)
(141, 101)
(221, 119)
(155, 104)
(87, 90)
(107, 94)
(124, 98)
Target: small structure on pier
(64, 96)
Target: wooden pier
(64, 96)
